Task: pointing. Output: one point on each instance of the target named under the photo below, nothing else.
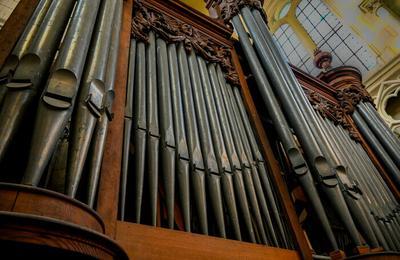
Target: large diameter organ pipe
(30, 73)
(380, 151)
(57, 101)
(23, 43)
(127, 127)
(305, 124)
(182, 152)
(168, 146)
(97, 146)
(298, 163)
(90, 97)
(390, 146)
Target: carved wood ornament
(333, 112)
(231, 8)
(350, 96)
(173, 30)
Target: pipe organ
(143, 129)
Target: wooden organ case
(192, 162)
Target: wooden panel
(14, 26)
(282, 190)
(107, 204)
(145, 242)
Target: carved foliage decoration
(173, 30)
(230, 8)
(351, 95)
(333, 112)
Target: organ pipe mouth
(297, 161)
(324, 171)
(61, 89)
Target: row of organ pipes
(57, 88)
(191, 158)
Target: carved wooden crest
(350, 96)
(231, 8)
(173, 30)
(333, 112)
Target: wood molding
(160, 243)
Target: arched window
(293, 49)
(329, 34)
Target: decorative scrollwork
(333, 112)
(350, 96)
(231, 8)
(173, 30)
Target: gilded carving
(175, 31)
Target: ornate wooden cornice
(349, 90)
(174, 30)
(332, 111)
(231, 8)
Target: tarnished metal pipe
(383, 125)
(57, 101)
(29, 76)
(22, 45)
(390, 146)
(199, 79)
(390, 166)
(227, 180)
(90, 97)
(193, 140)
(97, 146)
(259, 161)
(298, 163)
(140, 127)
(168, 146)
(127, 128)
(182, 152)
(153, 131)
(293, 99)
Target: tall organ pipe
(57, 101)
(193, 140)
(168, 144)
(22, 45)
(140, 127)
(97, 146)
(380, 151)
(298, 163)
(391, 147)
(127, 128)
(153, 131)
(90, 97)
(30, 73)
(182, 152)
(305, 125)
